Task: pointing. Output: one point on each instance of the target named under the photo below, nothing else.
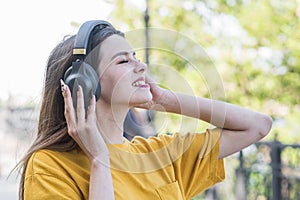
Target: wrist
(167, 100)
(102, 160)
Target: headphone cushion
(81, 73)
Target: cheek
(115, 85)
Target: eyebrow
(121, 53)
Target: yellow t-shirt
(165, 167)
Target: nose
(140, 67)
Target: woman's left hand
(158, 95)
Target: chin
(140, 100)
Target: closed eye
(123, 61)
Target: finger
(149, 80)
(80, 106)
(69, 109)
(91, 108)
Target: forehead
(113, 45)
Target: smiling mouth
(138, 83)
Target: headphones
(82, 73)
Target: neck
(110, 121)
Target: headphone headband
(81, 73)
(83, 35)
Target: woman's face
(122, 76)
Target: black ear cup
(81, 73)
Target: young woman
(82, 154)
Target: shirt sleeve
(199, 166)
(45, 179)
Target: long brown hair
(52, 130)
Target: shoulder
(56, 175)
(176, 141)
(153, 143)
(48, 161)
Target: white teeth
(138, 83)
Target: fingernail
(79, 88)
(62, 85)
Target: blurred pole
(146, 19)
(240, 189)
(212, 194)
(276, 170)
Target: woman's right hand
(82, 127)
